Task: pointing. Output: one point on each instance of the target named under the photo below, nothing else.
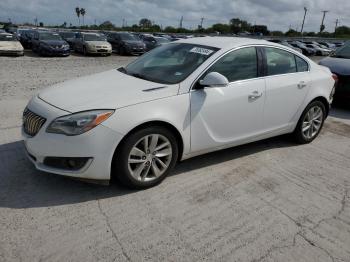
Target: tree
(238, 25)
(145, 23)
(107, 25)
(221, 28)
(77, 11)
(82, 12)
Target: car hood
(11, 45)
(108, 90)
(54, 42)
(339, 66)
(133, 42)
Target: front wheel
(310, 123)
(146, 157)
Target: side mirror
(214, 79)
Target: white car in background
(178, 101)
(9, 45)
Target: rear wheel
(310, 122)
(146, 157)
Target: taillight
(335, 77)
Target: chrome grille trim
(32, 122)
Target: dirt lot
(267, 201)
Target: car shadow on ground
(22, 186)
(341, 111)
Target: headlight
(65, 46)
(91, 45)
(79, 123)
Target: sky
(276, 14)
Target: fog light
(66, 163)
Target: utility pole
(302, 27)
(336, 25)
(181, 20)
(202, 19)
(322, 27)
(123, 23)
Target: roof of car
(224, 42)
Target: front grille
(32, 122)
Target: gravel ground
(266, 201)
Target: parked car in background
(125, 43)
(305, 50)
(285, 43)
(319, 50)
(92, 43)
(339, 44)
(328, 45)
(178, 101)
(69, 37)
(339, 64)
(9, 45)
(47, 43)
(152, 42)
(26, 37)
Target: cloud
(277, 14)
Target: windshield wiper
(139, 76)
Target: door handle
(255, 95)
(301, 85)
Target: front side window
(170, 64)
(279, 62)
(238, 65)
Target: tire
(317, 112)
(136, 168)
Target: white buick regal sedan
(180, 100)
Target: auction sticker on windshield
(202, 51)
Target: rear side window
(238, 65)
(302, 65)
(279, 62)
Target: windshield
(343, 52)
(94, 37)
(49, 36)
(170, 64)
(128, 37)
(162, 40)
(68, 34)
(6, 37)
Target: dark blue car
(49, 44)
(339, 64)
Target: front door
(222, 116)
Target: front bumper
(98, 145)
(102, 50)
(55, 51)
(12, 52)
(134, 50)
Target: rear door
(287, 83)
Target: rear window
(302, 65)
(279, 62)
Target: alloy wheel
(150, 157)
(312, 122)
